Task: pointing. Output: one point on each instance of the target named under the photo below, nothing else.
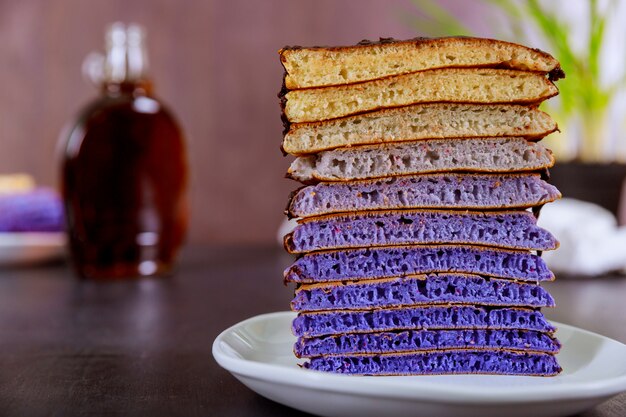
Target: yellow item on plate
(12, 183)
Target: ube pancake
(414, 318)
(510, 229)
(425, 340)
(436, 363)
(393, 261)
(444, 191)
(419, 290)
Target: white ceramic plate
(26, 248)
(258, 352)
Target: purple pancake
(316, 324)
(40, 210)
(447, 191)
(425, 340)
(386, 262)
(434, 363)
(409, 291)
(512, 229)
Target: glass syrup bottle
(124, 170)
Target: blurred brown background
(213, 62)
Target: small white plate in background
(27, 248)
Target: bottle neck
(141, 87)
(126, 62)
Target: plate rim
(395, 388)
(31, 239)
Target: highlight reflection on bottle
(124, 171)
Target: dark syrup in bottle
(124, 172)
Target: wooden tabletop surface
(79, 348)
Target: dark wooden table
(72, 348)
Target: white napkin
(286, 226)
(591, 241)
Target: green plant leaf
(440, 17)
(582, 94)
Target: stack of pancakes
(418, 252)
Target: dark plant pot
(597, 183)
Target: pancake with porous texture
(425, 340)
(440, 363)
(394, 261)
(419, 122)
(315, 324)
(322, 66)
(454, 85)
(430, 289)
(442, 191)
(506, 229)
(408, 158)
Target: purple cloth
(40, 210)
